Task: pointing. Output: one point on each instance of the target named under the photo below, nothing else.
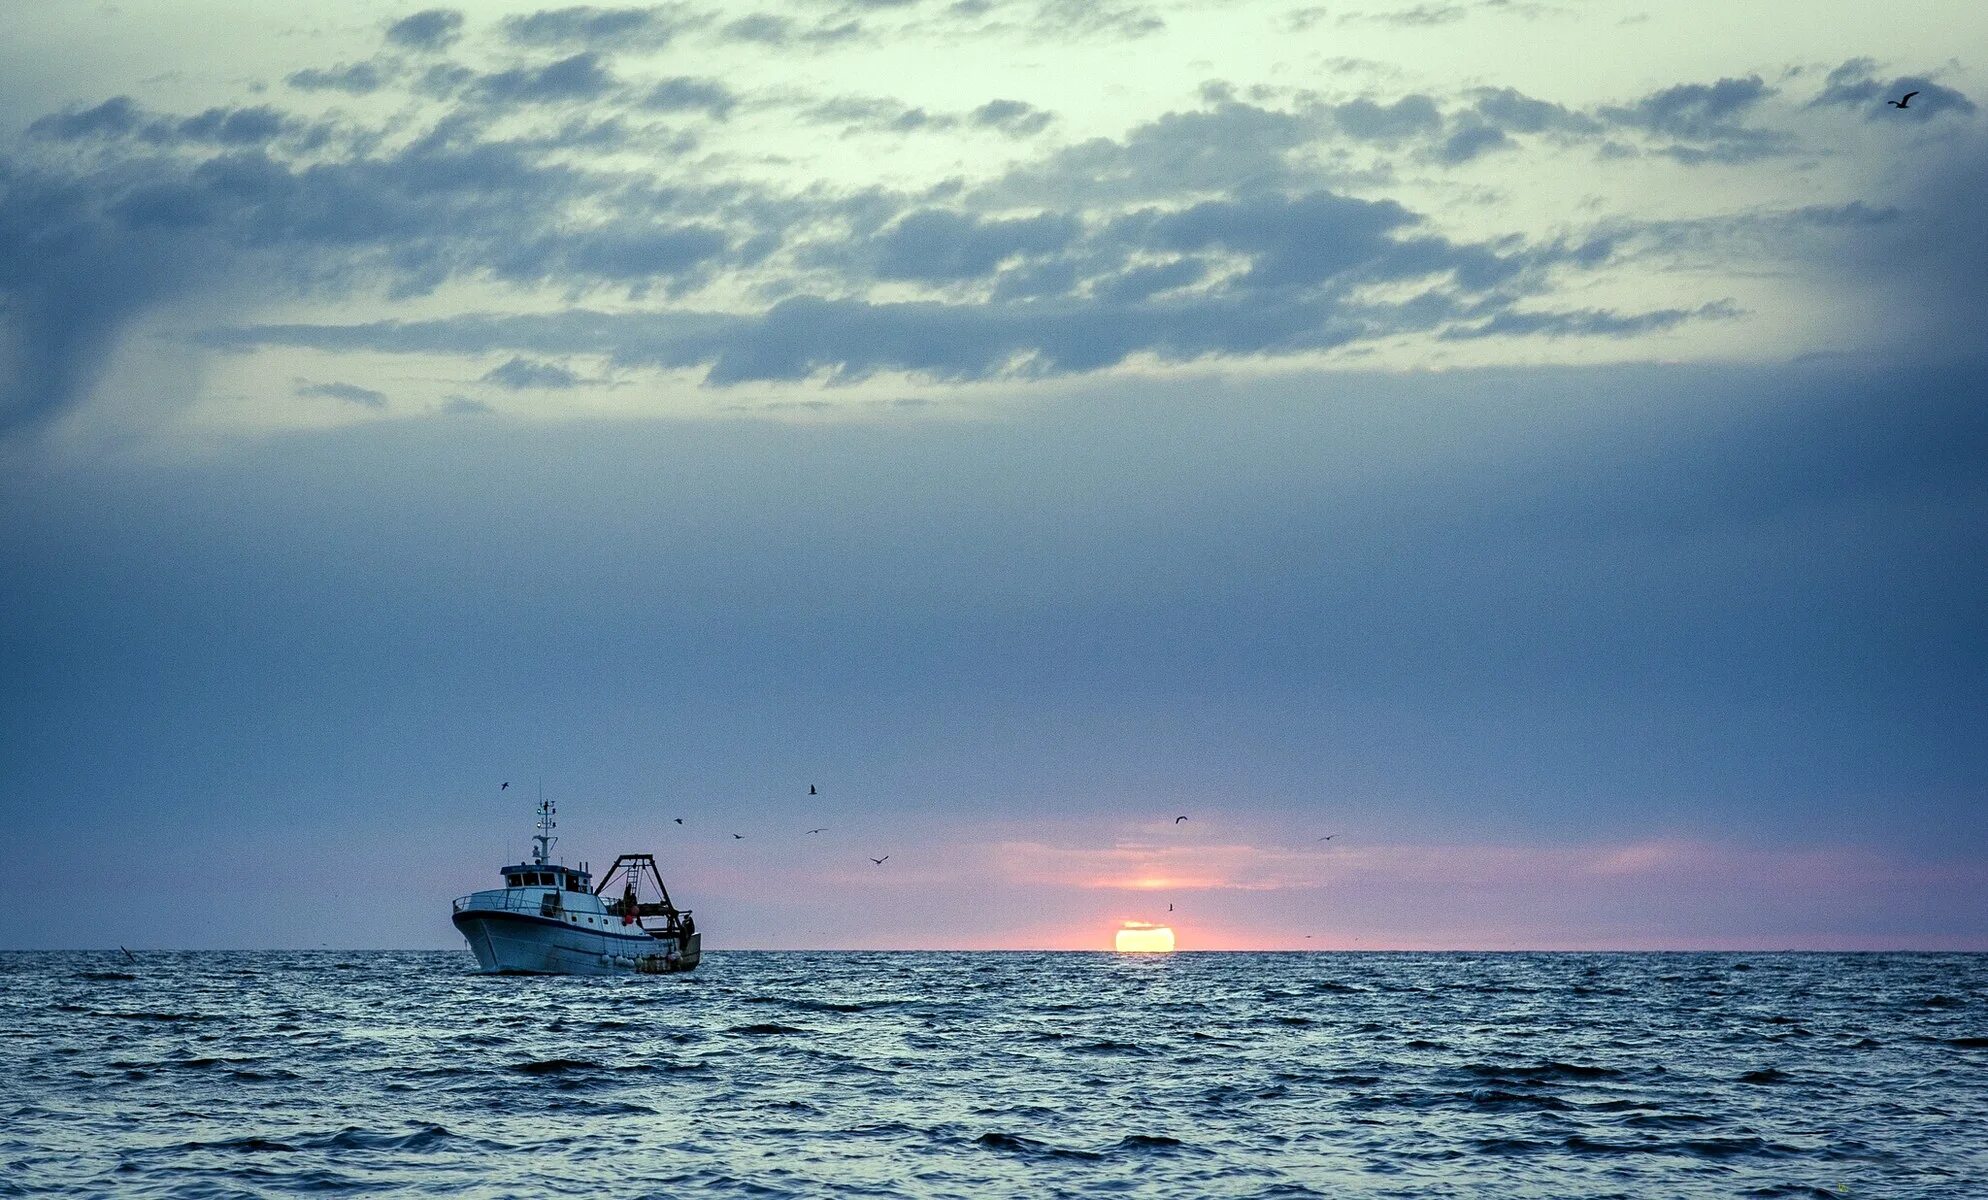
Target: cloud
(682, 93)
(120, 117)
(585, 25)
(465, 406)
(1704, 121)
(937, 246)
(1012, 117)
(1407, 117)
(354, 79)
(1587, 322)
(115, 117)
(1138, 865)
(519, 374)
(1415, 16)
(1056, 19)
(429, 29)
(350, 393)
(1854, 85)
(581, 76)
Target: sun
(1140, 938)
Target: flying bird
(740, 836)
(1905, 103)
(811, 789)
(823, 829)
(679, 820)
(1178, 820)
(880, 861)
(1328, 837)
(505, 784)
(1169, 908)
(128, 955)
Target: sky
(1542, 446)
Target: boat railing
(513, 900)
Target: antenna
(547, 810)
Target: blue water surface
(999, 1074)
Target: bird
(1905, 103)
(739, 836)
(1178, 820)
(811, 789)
(880, 861)
(1169, 908)
(504, 785)
(1328, 837)
(823, 829)
(679, 820)
(128, 955)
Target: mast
(544, 839)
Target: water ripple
(999, 1075)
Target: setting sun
(1140, 938)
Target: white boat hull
(515, 943)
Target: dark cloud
(582, 76)
(937, 246)
(349, 393)
(1515, 112)
(605, 28)
(1012, 117)
(1408, 117)
(519, 374)
(115, 117)
(429, 29)
(766, 29)
(1704, 121)
(682, 93)
(878, 114)
(1055, 19)
(1472, 139)
(1143, 282)
(1586, 322)
(356, 79)
(1415, 16)
(1228, 148)
(1854, 85)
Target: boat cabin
(565, 879)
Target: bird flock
(813, 791)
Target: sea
(998, 1075)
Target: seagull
(740, 836)
(880, 861)
(811, 789)
(1328, 837)
(1178, 820)
(505, 784)
(1169, 908)
(823, 829)
(128, 955)
(679, 820)
(1905, 103)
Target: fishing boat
(548, 919)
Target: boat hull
(513, 943)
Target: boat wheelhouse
(547, 919)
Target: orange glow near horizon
(1140, 938)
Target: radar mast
(544, 839)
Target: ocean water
(1008, 1074)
